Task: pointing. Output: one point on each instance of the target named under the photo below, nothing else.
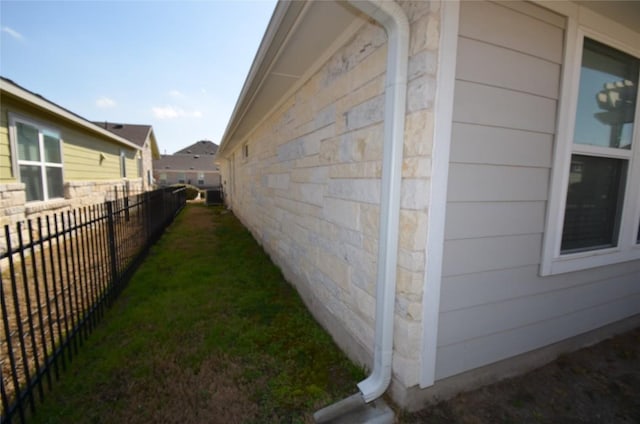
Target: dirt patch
(598, 384)
(209, 394)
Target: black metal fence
(58, 274)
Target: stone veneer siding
(309, 189)
(147, 166)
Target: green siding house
(52, 159)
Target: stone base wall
(14, 207)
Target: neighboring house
(513, 234)
(192, 165)
(143, 136)
(52, 159)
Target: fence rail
(58, 275)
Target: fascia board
(42, 103)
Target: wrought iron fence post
(87, 257)
(111, 235)
(126, 207)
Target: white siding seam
(505, 5)
(496, 165)
(502, 126)
(506, 89)
(452, 202)
(511, 49)
(462, 274)
(533, 323)
(545, 293)
(494, 237)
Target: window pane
(594, 203)
(54, 182)
(28, 148)
(31, 177)
(52, 149)
(607, 97)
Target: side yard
(206, 331)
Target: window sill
(587, 260)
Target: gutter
(390, 15)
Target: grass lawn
(207, 331)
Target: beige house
(194, 165)
(52, 159)
(453, 187)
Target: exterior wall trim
(443, 122)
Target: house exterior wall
(211, 179)
(87, 178)
(147, 166)
(494, 305)
(308, 187)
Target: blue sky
(176, 65)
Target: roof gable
(202, 147)
(183, 162)
(137, 134)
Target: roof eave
(42, 103)
(255, 72)
(299, 39)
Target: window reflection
(608, 92)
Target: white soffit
(625, 12)
(303, 34)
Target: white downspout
(395, 22)
(391, 16)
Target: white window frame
(553, 262)
(14, 119)
(201, 180)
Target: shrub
(192, 191)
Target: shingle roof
(185, 163)
(135, 133)
(202, 147)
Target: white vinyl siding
(494, 303)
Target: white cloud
(176, 93)
(12, 32)
(105, 102)
(171, 112)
